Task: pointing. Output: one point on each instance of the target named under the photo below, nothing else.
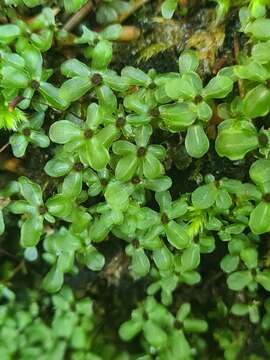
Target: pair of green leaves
(176, 233)
(260, 217)
(157, 316)
(90, 142)
(83, 79)
(61, 249)
(151, 319)
(240, 279)
(188, 87)
(139, 159)
(252, 310)
(24, 75)
(240, 248)
(30, 131)
(34, 209)
(208, 195)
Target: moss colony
(135, 180)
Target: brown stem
(15, 102)
(219, 64)
(236, 53)
(8, 254)
(135, 5)
(78, 16)
(4, 147)
(17, 269)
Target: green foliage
(111, 178)
(168, 8)
(71, 328)
(151, 318)
(29, 132)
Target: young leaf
(8, 33)
(239, 279)
(259, 221)
(61, 132)
(177, 235)
(30, 191)
(53, 281)
(218, 87)
(204, 196)
(32, 229)
(259, 173)
(154, 335)
(257, 101)
(196, 141)
(190, 258)
(73, 89)
(188, 61)
(263, 278)
(168, 8)
(130, 329)
(140, 264)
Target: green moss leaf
(239, 279)
(61, 132)
(73, 89)
(259, 221)
(204, 196)
(235, 139)
(257, 101)
(218, 87)
(177, 235)
(8, 33)
(196, 141)
(31, 231)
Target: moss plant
(134, 201)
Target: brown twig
(15, 102)
(219, 64)
(17, 269)
(135, 5)
(78, 16)
(4, 147)
(8, 254)
(236, 53)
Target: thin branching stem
(75, 19)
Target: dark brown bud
(78, 166)
(26, 132)
(96, 79)
(42, 210)
(198, 99)
(263, 139)
(120, 122)
(135, 180)
(266, 198)
(35, 84)
(164, 219)
(154, 113)
(141, 151)
(88, 133)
